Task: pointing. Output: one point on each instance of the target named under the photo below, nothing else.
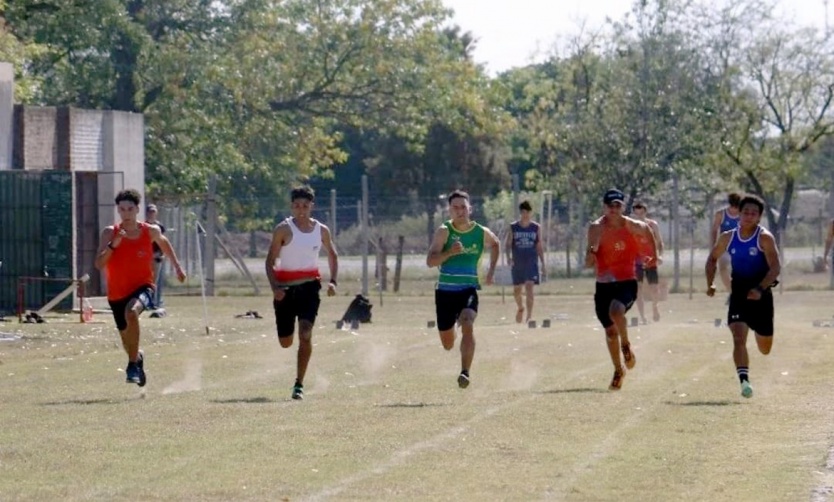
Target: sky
(511, 32)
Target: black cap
(612, 196)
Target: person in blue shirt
(756, 266)
(725, 219)
(524, 252)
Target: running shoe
(746, 389)
(463, 380)
(298, 391)
(140, 363)
(132, 373)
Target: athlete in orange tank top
(613, 249)
(125, 255)
(130, 268)
(616, 254)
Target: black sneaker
(132, 373)
(298, 391)
(463, 380)
(140, 363)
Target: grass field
(383, 418)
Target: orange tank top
(618, 251)
(645, 244)
(131, 265)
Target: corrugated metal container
(35, 237)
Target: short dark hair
(734, 199)
(129, 195)
(752, 199)
(457, 194)
(303, 192)
(525, 206)
(639, 204)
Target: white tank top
(298, 261)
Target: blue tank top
(524, 243)
(748, 260)
(728, 222)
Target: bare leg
(740, 356)
(764, 343)
(130, 335)
(305, 348)
(654, 290)
(528, 290)
(612, 338)
(447, 338)
(467, 341)
(640, 301)
(519, 313)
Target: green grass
(384, 419)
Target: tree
(777, 86)
(254, 91)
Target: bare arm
(508, 246)
(829, 239)
(658, 239)
(771, 252)
(594, 234)
(332, 259)
(540, 249)
(712, 260)
(644, 229)
(168, 250)
(436, 255)
(279, 236)
(492, 242)
(716, 228)
(105, 247)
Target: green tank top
(461, 271)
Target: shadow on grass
(244, 400)
(88, 401)
(703, 403)
(578, 390)
(409, 405)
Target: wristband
(111, 246)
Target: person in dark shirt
(151, 213)
(755, 267)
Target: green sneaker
(298, 391)
(746, 389)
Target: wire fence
(400, 224)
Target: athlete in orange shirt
(613, 249)
(125, 255)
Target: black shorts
(145, 297)
(302, 302)
(449, 304)
(756, 314)
(649, 273)
(525, 272)
(624, 292)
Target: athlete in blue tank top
(755, 260)
(725, 220)
(524, 251)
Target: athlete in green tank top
(456, 249)
(461, 271)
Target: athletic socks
(742, 374)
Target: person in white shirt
(293, 273)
